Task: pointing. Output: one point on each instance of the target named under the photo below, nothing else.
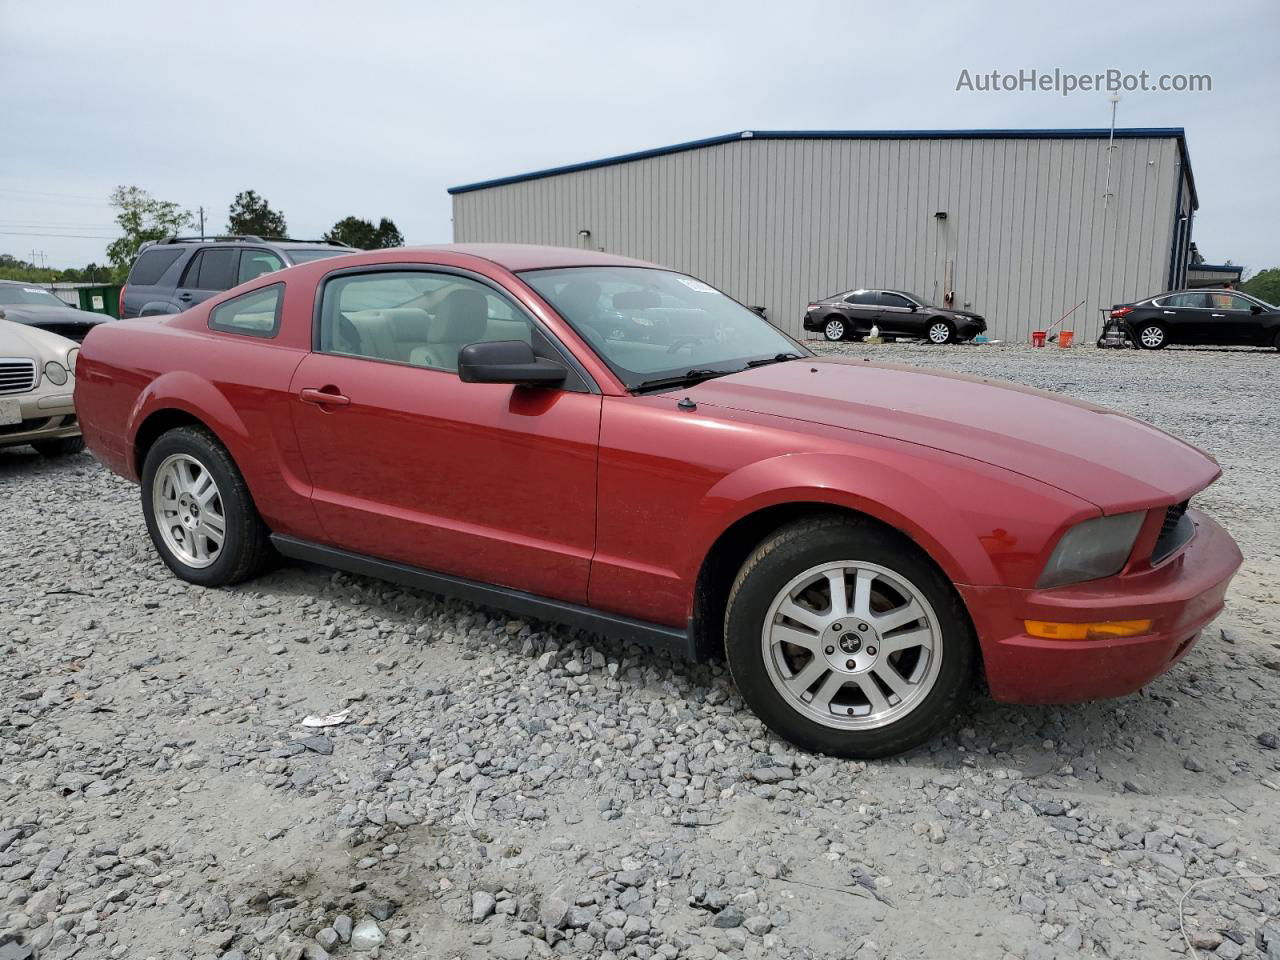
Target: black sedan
(30, 304)
(852, 314)
(1207, 317)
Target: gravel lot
(504, 789)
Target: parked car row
(604, 442)
(852, 314)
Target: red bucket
(1065, 338)
(1037, 338)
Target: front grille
(17, 375)
(1175, 530)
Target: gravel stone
(504, 787)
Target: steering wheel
(679, 342)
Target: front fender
(980, 524)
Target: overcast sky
(373, 108)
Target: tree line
(143, 219)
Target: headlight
(1092, 549)
(55, 372)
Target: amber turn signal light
(1102, 630)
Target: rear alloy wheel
(199, 512)
(1152, 337)
(834, 330)
(846, 640)
(941, 332)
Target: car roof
(530, 256)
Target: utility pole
(202, 223)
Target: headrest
(461, 317)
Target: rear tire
(834, 329)
(199, 513)
(878, 680)
(1152, 336)
(62, 447)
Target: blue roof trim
(1069, 133)
(1215, 267)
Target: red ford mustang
(605, 443)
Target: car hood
(21, 340)
(50, 316)
(1110, 459)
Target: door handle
(1169, 313)
(1217, 314)
(323, 397)
(184, 296)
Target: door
(210, 271)
(898, 316)
(1232, 319)
(862, 309)
(484, 481)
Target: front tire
(940, 332)
(199, 513)
(1152, 336)
(834, 329)
(846, 640)
(62, 447)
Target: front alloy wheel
(1152, 337)
(847, 640)
(834, 330)
(940, 332)
(851, 645)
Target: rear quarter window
(255, 314)
(151, 265)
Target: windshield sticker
(32, 290)
(696, 285)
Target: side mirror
(508, 361)
(915, 307)
(2, 313)
(1255, 310)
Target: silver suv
(175, 274)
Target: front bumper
(1180, 597)
(45, 416)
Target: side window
(1194, 301)
(191, 275)
(255, 314)
(254, 263)
(217, 269)
(414, 317)
(1240, 303)
(894, 300)
(151, 265)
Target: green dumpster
(103, 298)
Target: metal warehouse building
(1019, 225)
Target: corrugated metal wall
(779, 222)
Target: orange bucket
(1065, 338)
(1037, 338)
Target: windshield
(651, 324)
(306, 256)
(28, 296)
